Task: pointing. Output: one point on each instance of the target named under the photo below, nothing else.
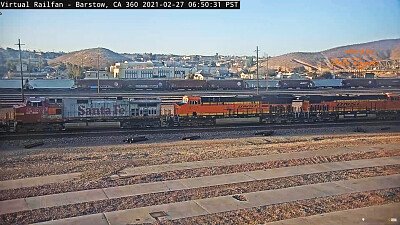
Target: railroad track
(183, 130)
(199, 92)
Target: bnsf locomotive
(287, 108)
(63, 113)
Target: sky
(276, 26)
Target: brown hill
(382, 50)
(88, 57)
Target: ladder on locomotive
(176, 121)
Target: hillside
(88, 57)
(10, 57)
(382, 50)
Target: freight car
(295, 84)
(50, 84)
(357, 83)
(327, 83)
(388, 82)
(38, 84)
(145, 84)
(104, 84)
(9, 84)
(187, 84)
(252, 84)
(225, 84)
(39, 113)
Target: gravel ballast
(86, 208)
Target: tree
(62, 67)
(77, 71)
(70, 70)
(45, 63)
(326, 75)
(11, 65)
(271, 73)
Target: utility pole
(258, 80)
(22, 76)
(98, 73)
(80, 70)
(267, 74)
(29, 66)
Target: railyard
(227, 176)
(252, 116)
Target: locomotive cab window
(194, 102)
(36, 104)
(58, 111)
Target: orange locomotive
(206, 110)
(287, 108)
(363, 106)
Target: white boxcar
(51, 84)
(333, 83)
(10, 83)
(262, 83)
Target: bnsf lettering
(247, 106)
(102, 111)
(343, 104)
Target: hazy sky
(276, 26)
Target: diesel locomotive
(48, 113)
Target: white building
(147, 70)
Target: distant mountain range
(382, 50)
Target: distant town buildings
(148, 70)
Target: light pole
(98, 74)
(258, 80)
(267, 74)
(20, 63)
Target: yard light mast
(22, 76)
(258, 80)
(98, 73)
